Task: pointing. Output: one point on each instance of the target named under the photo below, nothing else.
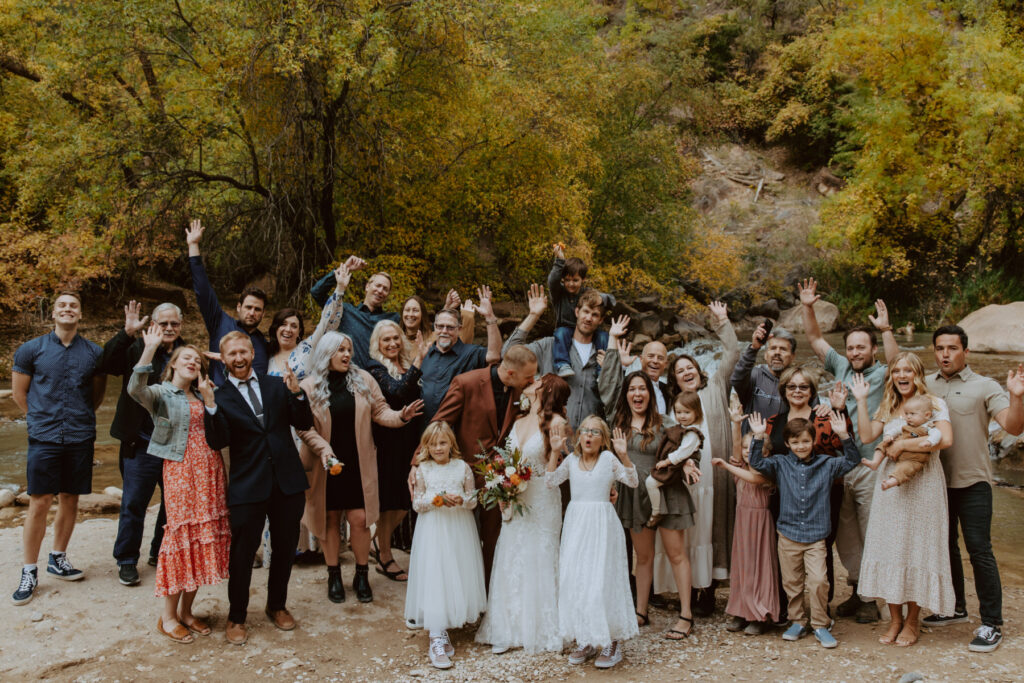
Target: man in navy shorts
(57, 383)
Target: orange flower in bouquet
(438, 501)
(334, 465)
(506, 476)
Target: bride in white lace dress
(522, 601)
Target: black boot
(361, 583)
(335, 588)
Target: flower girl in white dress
(594, 604)
(446, 567)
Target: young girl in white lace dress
(594, 604)
(446, 567)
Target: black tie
(257, 407)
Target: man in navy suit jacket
(253, 418)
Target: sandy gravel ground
(98, 630)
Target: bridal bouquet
(506, 476)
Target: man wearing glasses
(450, 356)
(132, 426)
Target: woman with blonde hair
(906, 555)
(396, 368)
(197, 536)
(345, 401)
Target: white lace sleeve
(622, 474)
(421, 501)
(553, 479)
(468, 489)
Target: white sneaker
(582, 654)
(449, 649)
(610, 656)
(499, 649)
(413, 625)
(438, 657)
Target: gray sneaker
(566, 371)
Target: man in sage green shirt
(973, 400)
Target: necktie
(257, 407)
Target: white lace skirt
(522, 603)
(446, 571)
(594, 603)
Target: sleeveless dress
(197, 536)
(594, 603)
(446, 566)
(522, 605)
(754, 573)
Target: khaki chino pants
(803, 566)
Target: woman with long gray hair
(346, 401)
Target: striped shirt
(804, 486)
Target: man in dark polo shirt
(449, 356)
(974, 400)
(58, 384)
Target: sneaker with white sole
(940, 620)
(565, 372)
(610, 656)
(26, 587)
(60, 566)
(825, 637)
(449, 649)
(986, 639)
(438, 658)
(796, 631)
(582, 654)
(499, 649)
(413, 625)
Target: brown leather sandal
(198, 626)
(179, 634)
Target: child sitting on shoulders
(669, 468)
(566, 282)
(446, 566)
(916, 423)
(595, 608)
(753, 572)
(804, 481)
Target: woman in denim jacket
(197, 537)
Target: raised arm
(466, 332)
(138, 387)
(808, 290)
(115, 352)
(867, 429)
(493, 333)
(555, 276)
(1011, 418)
(333, 308)
(730, 344)
(749, 476)
(209, 305)
(881, 322)
(766, 466)
(740, 379)
(537, 303)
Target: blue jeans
(971, 508)
(563, 342)
(141, 473)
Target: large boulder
(6, 497)
(826, 313)
(996, 328)
(648, 323)
(98, 504)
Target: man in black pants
(141, 472)
(253, 417)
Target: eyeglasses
(446, 328)
(798, 387)
(169, 323)
(590, 432)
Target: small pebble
(911, 677)
(37, 616)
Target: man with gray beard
(757, 386)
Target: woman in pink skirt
(197, 536)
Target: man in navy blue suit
(266, 479)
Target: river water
(1008, 525)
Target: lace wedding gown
(522, 603)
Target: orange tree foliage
(448, 141)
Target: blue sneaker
(796, 631)
(60, 567)
(825, 637)
(26, 587)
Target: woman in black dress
(396, 367)
(345, 401)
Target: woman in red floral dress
(197, 536)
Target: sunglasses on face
(798, 387)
